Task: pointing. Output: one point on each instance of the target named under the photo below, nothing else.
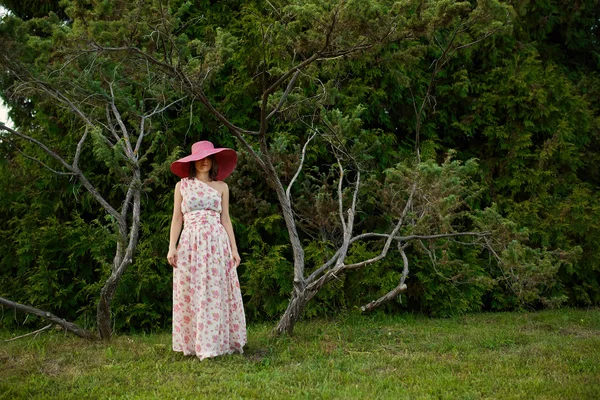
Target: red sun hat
(226, 159)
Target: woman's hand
(236, 257)
(172, 257)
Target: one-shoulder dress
(208, 313)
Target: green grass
(545, 355)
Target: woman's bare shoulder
(221, 185)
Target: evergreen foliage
(510, 141)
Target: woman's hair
(212, 174)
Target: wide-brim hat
(226, 159)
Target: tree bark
(294, 310)
(103, 319)
(384, 299)
(292, 314)
(122, 260)
(103, 312)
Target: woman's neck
(203, 176)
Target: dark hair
(212, 174)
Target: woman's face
(204, 165)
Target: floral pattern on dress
(208, 313)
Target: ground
(545, 355)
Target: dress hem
(210, 355)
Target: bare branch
(355, 195)
(391, 236)
(120, 122)
(291, 71)
(68, 326)
(52, 92)
(67, 63)
(308, 61)
(122, 261)
(190, 119)
(111, 126)
(420, 237)
(96, 47)
(75, 171)
(394, 292)
(143, 123)
(29, 79)
(447, 54)
(176, 72)
(490, 248)
(311, 278)
(433, 259)
(340, 196)
(437, 67)
(250, 150)
(36, 332)
(341, 53)
(79, 147)
(35, 159)
(284, 95)
(158, 111)
(59, 96)
(485, 36)
(304, 100)
(273, 7)
(289, 188)
(141, 135)
(40, 145)
(341, 254)
(232, 128)
(134, 228)
(128, 196)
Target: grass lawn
(545, 355)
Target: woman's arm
(176, 223)
(226, 221)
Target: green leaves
(508, 144)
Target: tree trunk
(294, 311)
(299, 294)
(292, 314)
(121, 262)
(123, 259)
(103, 312)
(288, 217)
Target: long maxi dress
(208, 313)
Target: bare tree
(340, 36)
(129, 137)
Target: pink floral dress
(208, 314)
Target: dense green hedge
(523, 103)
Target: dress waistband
(201, 216)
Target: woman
(208, 314)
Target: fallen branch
(68, 326)
(30, 333)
